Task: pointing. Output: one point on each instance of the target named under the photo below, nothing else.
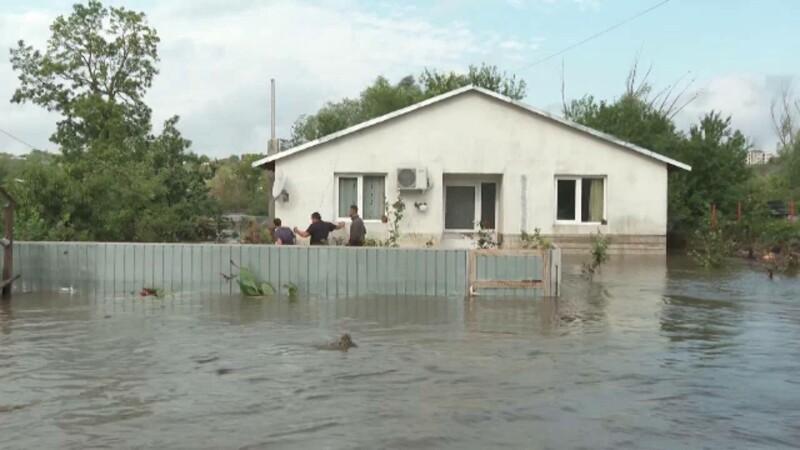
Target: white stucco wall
(472, 133)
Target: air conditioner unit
(412, 179)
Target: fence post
(713, 216)
(739, 213)
(791, 211)
(8, 245)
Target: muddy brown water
(650, 355)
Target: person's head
(353, 211)
(315, 217)
(277, 222)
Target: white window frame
(578, 198)
(359, 193)
(478, 200)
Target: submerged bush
(710, 247)
(598, 251)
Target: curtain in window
(348, 195)
(595, 186)
(374, 197)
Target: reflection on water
(649, 355)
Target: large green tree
(114, 179)
(95, 70)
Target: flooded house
(473, 163)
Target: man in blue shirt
(283, 235)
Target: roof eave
(453, 93)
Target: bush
(534, 240)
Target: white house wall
(473, 134)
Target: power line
(594, 36)
(17, 139)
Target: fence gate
(515, 272)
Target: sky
(217, 56)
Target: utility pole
(272, 148)
(273, 143)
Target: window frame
(578, 199)
(476, 186)
(359, 193)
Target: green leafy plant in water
(534, 240)
(598, 252)
(251, 286)
(291, 290)
(710, 247)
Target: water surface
(648, 355)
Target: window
(488, 204)
(468, 205)
(580, 199)
(460, 210)
(368, 192)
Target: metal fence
(127, 268)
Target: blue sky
(217, 56)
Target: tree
(785, 113)
(97, 66)
(720, 175)
(488, 77)
(716, 152)
(238, 187)
(383, 97)
(114, 179)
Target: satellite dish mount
(279, 188)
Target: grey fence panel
(119, 269)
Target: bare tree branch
(564, 107)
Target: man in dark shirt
(358, 232)
(283, 235)
(319, 230)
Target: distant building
(756, 157)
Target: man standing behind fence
(358, 232)
(318, 230)
(283, 235)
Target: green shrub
(710, 247)
(534, 240)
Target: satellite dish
(278, 187)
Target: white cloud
(218, 56)
(583, 4)
(536, 43)
(747, 99)
(512, 44)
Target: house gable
(442, 100)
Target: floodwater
(649, 355)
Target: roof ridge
(469, 88)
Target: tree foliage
(716, 152)
(238, 187)
(383, 97)
(114, 179)
(96, 68)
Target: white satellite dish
(278, 189)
